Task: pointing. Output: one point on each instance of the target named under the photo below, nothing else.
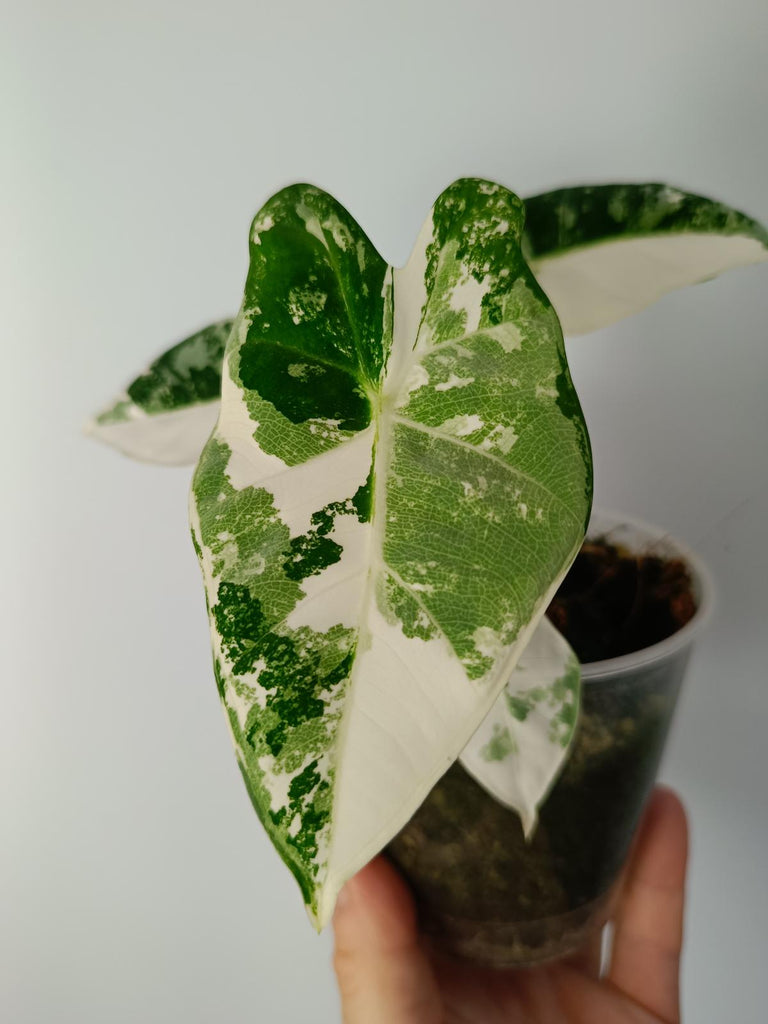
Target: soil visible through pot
(613, 602)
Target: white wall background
(138, 140)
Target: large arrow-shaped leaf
(601, 252)
(398, 481)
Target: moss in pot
(394, 478)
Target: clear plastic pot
(485, 894)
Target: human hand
(386, 976)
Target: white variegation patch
(416, 378)
(299, 491)
(260, 225)
(500, 437)
(241, 703)
(507, 336)
(248, 460)
(602, 283)
(461, 426)
(334, 595)
(454, 382)
(521, 745)
(173, 438)
(467, 298)
(404, 727)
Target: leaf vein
(434, 432)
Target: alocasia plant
(395, 477)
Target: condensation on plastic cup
(641, 538)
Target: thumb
(383, 974)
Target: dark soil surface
(613, 602)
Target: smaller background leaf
(521, 746)
(167, 413)
(604, 252)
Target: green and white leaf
(398, 481)
(521, 745)
(168, 412)
(603, 252)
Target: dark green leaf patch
(316, 280)
(303, 387)
(582, 215)
(187, 374)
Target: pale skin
(386, 976)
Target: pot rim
(649, 537)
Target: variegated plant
(395, 477)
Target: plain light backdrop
(138, 140)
